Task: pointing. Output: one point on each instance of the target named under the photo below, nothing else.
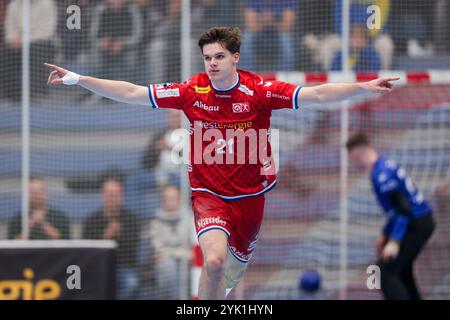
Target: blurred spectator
(205, 14)
(324, 48)
(2, 22)
(315, 16)
(149, 17)
(2, 46)
(75, 42)
(362, 55)
(218, 13)
(93, 183)
(170, 233)
(157, 168)
(43, 21)
(359, 14)
(45, 222)
(315, 22)
(413, 27)
(164, 49)
(268, 42)
(151, 156)
(113, 222)
(117, 28)
(381, 38)
(441, 26)
(162, 147)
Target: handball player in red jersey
(231, 166)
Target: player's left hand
(381, 85)
(391, 250)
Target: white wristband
(71, 78)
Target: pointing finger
(391, 79)
(59, 69)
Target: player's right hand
(381, 242)
(56, 75)
(61, 76)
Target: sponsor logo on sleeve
(270, 94)
(167, 93)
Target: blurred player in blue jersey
(409, 224)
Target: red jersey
(228, 155)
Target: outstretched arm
(121, 91)
(332, 92)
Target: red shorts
(239, 219)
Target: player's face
(361, 157)
(220, 63)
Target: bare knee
(214, 249)
(215, 266)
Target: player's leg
(213, 244)
(423, 230)
(393, 272)
(213, 226)
(234, 272)
(392, 285)
(247, 217)
(407, 277)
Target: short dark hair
(36, 178)
(112, 174)
(228, 37)
(357, 140)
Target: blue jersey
(388, 178)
